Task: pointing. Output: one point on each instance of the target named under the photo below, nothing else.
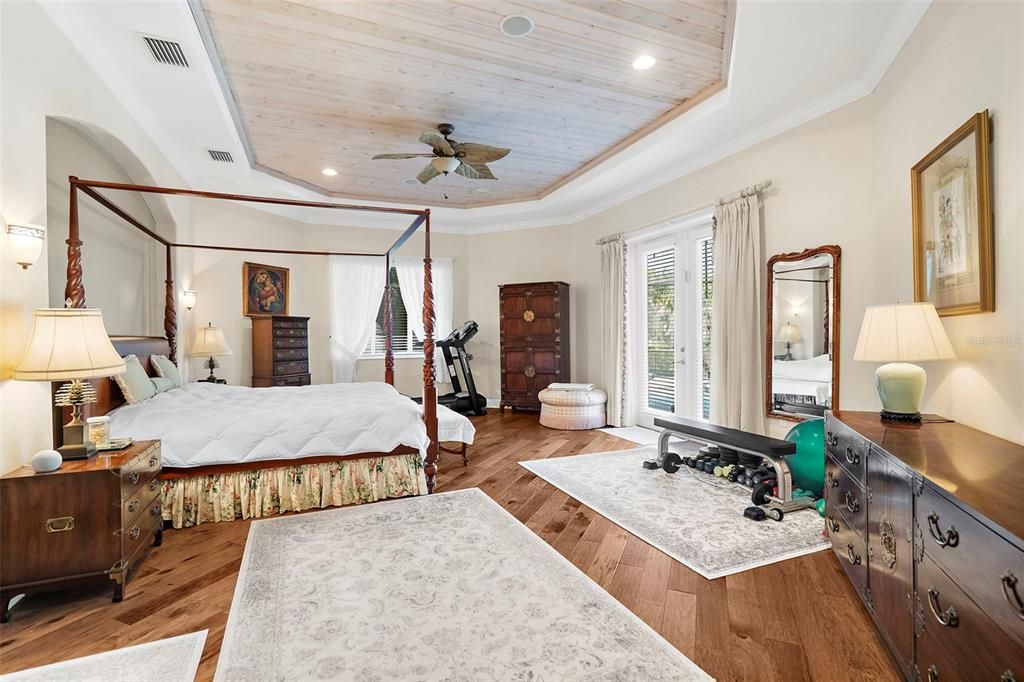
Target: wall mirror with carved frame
(802, 348)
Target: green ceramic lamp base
(900, 388)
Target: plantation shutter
(660, 269)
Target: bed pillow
(135, 384)
(162, 384)
(163, 367)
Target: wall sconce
(26, 243)
(188, 298)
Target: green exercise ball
(808, 464)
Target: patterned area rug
(448, 588)
(695, 518)
(175, 659)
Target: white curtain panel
(357, 285)
(613, 330)
(737, 328)
(410, 282)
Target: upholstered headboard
(108, 395)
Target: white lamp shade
(68, 343)
(911, 332)
(26, 242)
(210, 341)
(445, 164)
(789, 332)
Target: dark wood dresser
(534, 340)
(92, 518)
(927, 521)
(280, 351)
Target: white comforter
(204, 424)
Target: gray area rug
(695, 518)
(447, 587)
(175, 659)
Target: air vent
(224, 157)
(166, 51)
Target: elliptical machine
(468, 401)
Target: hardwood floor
(795, 620)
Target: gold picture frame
(265, 290)
(951, 197)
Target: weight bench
(772, 450)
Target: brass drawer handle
(851, 555)
(951, 538)
(153, 461)
(60, 524)
(832, 479)
(133, 505)
(852, 503)
(833, 524)
(529, 316)
(134, 533)
(1007, 677)
(949, 617)
(153, 485)
(1009, 581)
(530, 371)
(133, 478)
(154, 510)
(933, 674)
(851, 456)
(831, 439)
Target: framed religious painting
(954, 253)
(265, 290)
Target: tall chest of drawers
(534, 340)
(90, 519)
(280, 351)
(926, 521)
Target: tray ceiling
(330, 84)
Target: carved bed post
(389, 353)
(170, 315)
(429, 388)
(74, 291)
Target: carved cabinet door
(890, 553)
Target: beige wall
(217, 281)
(840, 179)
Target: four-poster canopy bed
(110, 397)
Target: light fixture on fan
(468, 159)
(445, 164)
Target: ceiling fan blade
(427, 174)
(400, 156)
(437, 142)
(477, 171)
(470, 152)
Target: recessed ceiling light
(410, 181)
(482, 190)
(643, 62)
(329, 172)
(516, 25)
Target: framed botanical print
(954, 257)
(264, 290)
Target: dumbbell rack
(770, 450)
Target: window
(660, 271)
(403, 340)
(705, 278)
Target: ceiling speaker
(516, 25)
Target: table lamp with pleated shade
(210, 342)
(900, 335)
(70, 344)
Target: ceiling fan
(467, 159)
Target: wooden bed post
(170, 316)
(389, 353)
(74, 291)
(429, 388)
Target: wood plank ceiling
(328, 83)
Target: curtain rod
(745, 192)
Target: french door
(670, 349)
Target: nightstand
(90, 519)
(211, 381)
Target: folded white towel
(570, 387)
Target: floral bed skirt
(266, 492)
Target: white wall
(841, 179)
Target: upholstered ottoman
(572, 410)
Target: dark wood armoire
(280, 351)
(534, 340)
